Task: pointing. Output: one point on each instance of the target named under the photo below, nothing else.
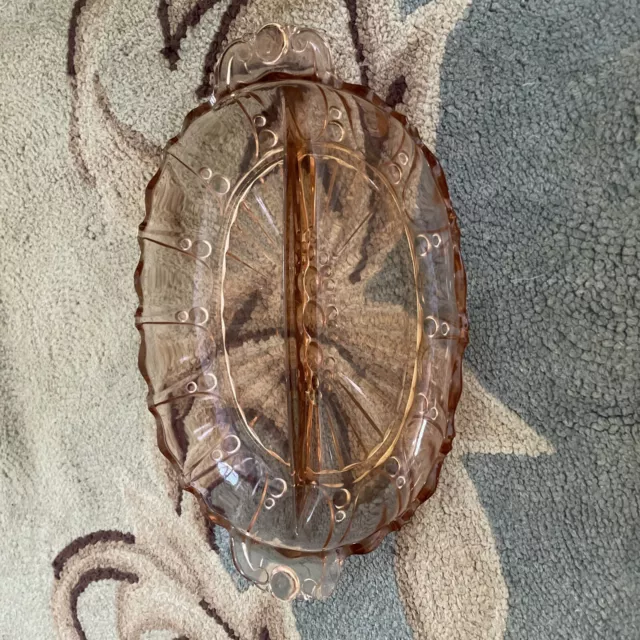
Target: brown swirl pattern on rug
(168, 579)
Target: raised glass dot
(314, 355)
(403, 158)
(430, 326)
(231, 444)
(277, 488)
(335, 131)
(340, 516)
(444, 328)
(202, 248)
(199, 315)
(436, 240)
(335, 113)
(284, 585)
(341, 498)
(400, 482)
(259, 121)
(205, 173)
(392, 466)
(209, 381)
(220, 184)
(422, 245)
(185, 244)
(182, 316)
(269, 503)
(395, 173)
(313, 318)
(423, 401)
(192, 387)
(268, 139)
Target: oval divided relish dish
(302, 312)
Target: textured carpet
(534, 110)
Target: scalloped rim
(369, 543)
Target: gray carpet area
(539, 133)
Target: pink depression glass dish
(302, 312)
